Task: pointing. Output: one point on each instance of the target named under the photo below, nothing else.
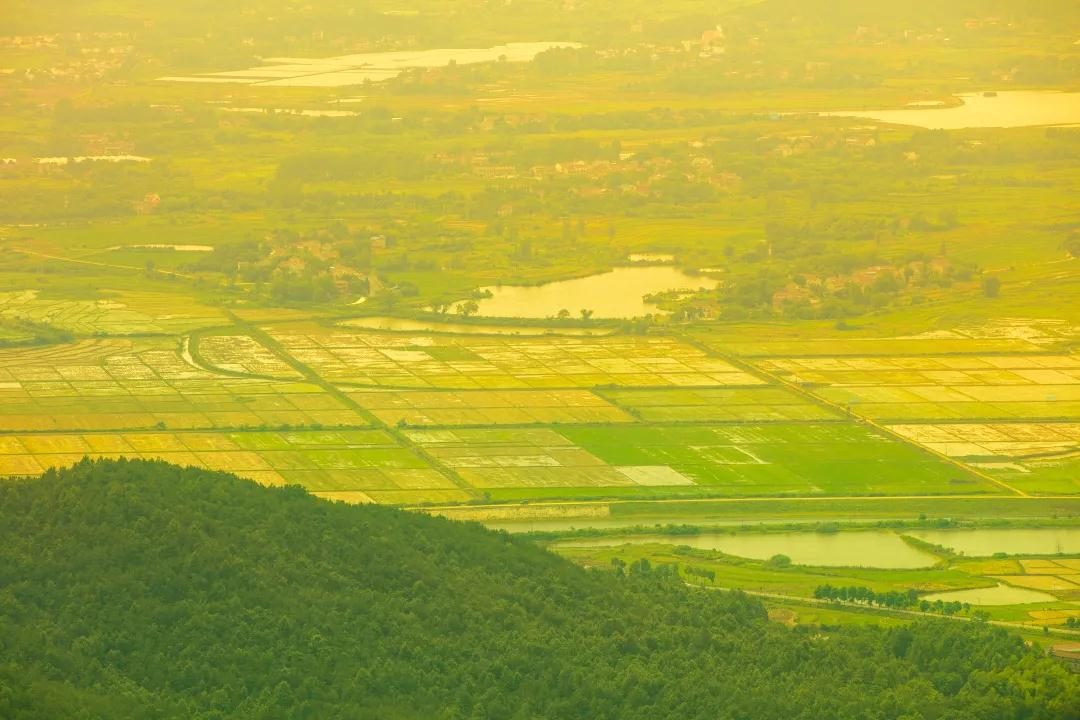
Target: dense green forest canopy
(145, 590)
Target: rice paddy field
(121, 384)
(941, 387)
(118, 312)
(488, 407)
(414, 418)
(240, 354)
(466, 362)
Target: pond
(615, 294)
(847, 549)
(393, 324)
(999, 595)
(1014, 541)
(162, 246)
(373, 67)
(1021, 108)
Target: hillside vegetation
(145, 590)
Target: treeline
(893, 599)
(135, 589)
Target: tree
(586, 314)
(468, 308)
(991, 286)
(563, 314)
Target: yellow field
(122, 385)
(462, 362)
(1039, 582)
(489, 407)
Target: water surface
(1022, 108)
(368, 67)
(870, 548)
(1014, 541)
(615, 294)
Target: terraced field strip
(758, 403)
(355, 465)
(123, 384)
(426, 362)
(481, 408)
(219, 351)
(775, 379)
(283, 354)
(974, 387)
(124, 314)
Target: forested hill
(143, 590)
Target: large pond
(998, 595)
(847, 549)
(367, 67)
(1006, 110)
(1014, 541)
(615, 294)
(393, 324)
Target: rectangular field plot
(541, 458)
(120, 385)
(471, 362)
(740, 345)
(942, 387)
(126, 313)
(488, 407)
(242, 354)
(1040, 458)
(764, 404)
(775, 459)
(1007, 370)
(729, 460)
(357, 465)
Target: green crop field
(803, 459)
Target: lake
(346, 70)
(1021, 108)
(871, 548)
(1015, 541)
(998, 595)
(615, 294)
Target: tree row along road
(881, 610)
